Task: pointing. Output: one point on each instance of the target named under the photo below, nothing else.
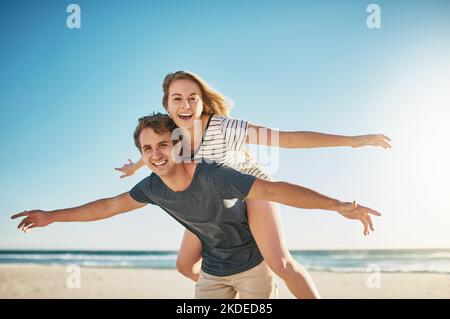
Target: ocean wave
(65, 257)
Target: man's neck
(181, 177)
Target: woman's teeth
(185, 116)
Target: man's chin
(161, 172)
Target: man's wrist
(52, 216)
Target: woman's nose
(186, 105)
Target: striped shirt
(224, 143)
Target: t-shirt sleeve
(235, 132)
(230, 183)
(141, 192)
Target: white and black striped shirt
(224, 143)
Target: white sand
(29, 281)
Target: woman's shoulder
(222, 120)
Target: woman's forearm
(140, 164)
(304, 139)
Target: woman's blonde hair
(213, 101)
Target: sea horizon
(407, 260)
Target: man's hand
(371, 139)
(34, 218)
(127, 169)
(355, 211)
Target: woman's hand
(355, 211)
(127, 169)
(371, 139)
(34, 218)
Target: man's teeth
(185, 115)
(160, 163)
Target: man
(209, 200)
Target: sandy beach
(31, 281)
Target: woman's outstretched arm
(304, 139)
(130, 168)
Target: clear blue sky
(70, 99)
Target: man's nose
(157, 154)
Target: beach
(51, 281)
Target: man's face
(157, 151)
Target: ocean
(400, 261)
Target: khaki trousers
(255, 283)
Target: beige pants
(255, 283)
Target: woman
(208, 133)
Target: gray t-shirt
(213, 208)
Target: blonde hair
(213, 101)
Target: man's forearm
(292, 195)
(96, 210)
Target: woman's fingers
(368, 210)
(366, 228)
(386, 137)
(369, 221)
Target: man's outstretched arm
(302, 197)
(96, 210)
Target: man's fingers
(386, 137)
(24, 213)
(22, 223)
(28, 227)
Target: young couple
(233, 241)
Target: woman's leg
(189, 259)
(265, 224)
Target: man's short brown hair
(160, 123)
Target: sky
(70, 100)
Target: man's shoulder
(151, 179)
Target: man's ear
(177, 146)
(176, 152)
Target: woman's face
(184, 102)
